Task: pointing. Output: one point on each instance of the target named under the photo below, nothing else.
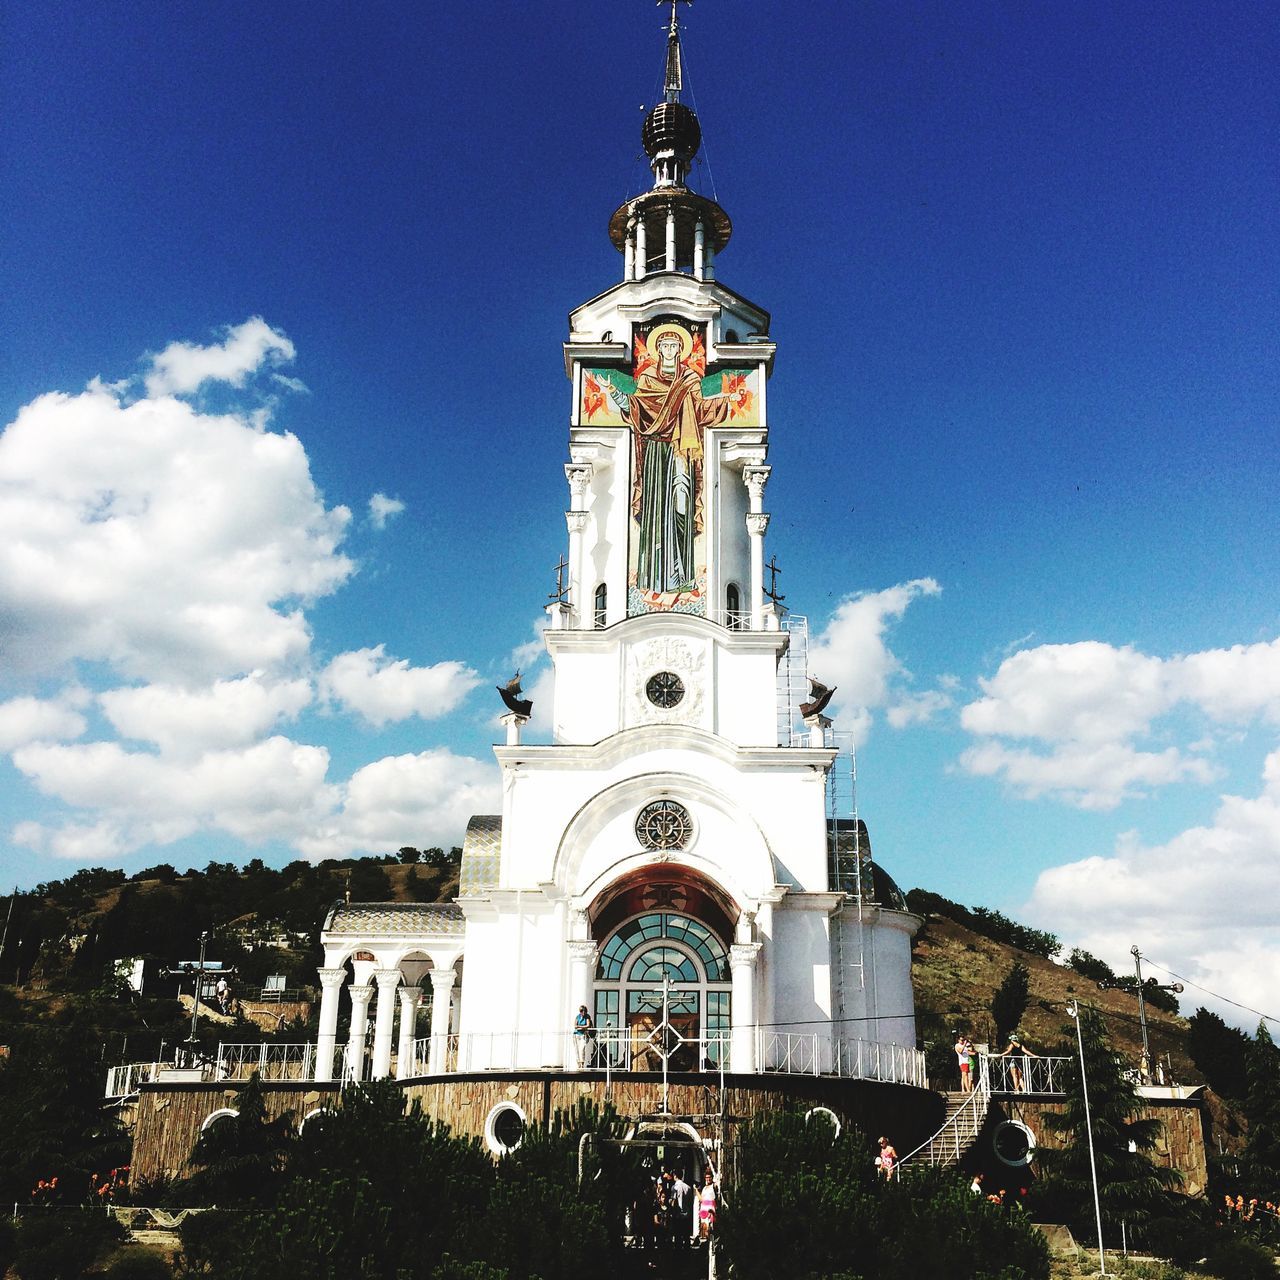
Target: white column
(757, 523)
(742, 964)
(629, 253)
(642, 248)
(577, 522)
(359, 1025)
(442, 981)
(331, 981)
(671, 238)
(755, 478)
(384, 1027)
(699, 242)
(579, 476)
(409, 998)
(709, 260)
(582, 967)
(514, 724)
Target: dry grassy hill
(956, 971)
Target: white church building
(683, 857)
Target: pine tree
(1010, 1001)
(1219, 1052)
(1131, 1186)
(1262, 1108)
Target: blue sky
(1022, 264)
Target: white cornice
(666, 623)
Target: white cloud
(269, 790)
(1198, 905)
(1090, 703)
(851, 654)
(171, 544)
(420, 800)
(227, 713)
(382, 508)
(24, 720)
(917, 708)
(183, 366)
(382, 689)
(1089, 776)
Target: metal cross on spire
(772, 589)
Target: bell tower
(668, 427)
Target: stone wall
(169, 1116)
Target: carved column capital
(584, 951)
(361, 995)
(332, 979)
(755, 478)
(442, 981)
(757, 523)
(579, 476)
(743, 955)
(576, 520)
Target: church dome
(671, 126)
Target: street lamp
(1073, 1009)
(195, 1004)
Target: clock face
(664, 689)
(663, 824)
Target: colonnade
(394, 986)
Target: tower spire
(674, 79)
(670, 227)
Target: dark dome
(671, 126)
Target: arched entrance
(663, 962)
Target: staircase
(966, 1114)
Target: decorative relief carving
(579, 476)
(757, 523)
(674, 655)
(755, 478)
(576, 520)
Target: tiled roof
(400, 918)
(481, 854)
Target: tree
(410, 855)
(1219, 1053)
(1262, 1108)
(809, 1206)
(239, 1159)
(1010, 1001)
(1131, 1185)
(1089, 966)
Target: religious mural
(668, 401)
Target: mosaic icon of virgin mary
(668, 414)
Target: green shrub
(138, 1264)
(1183, 1239)
(211, 1243)
(62, 1244)
(1239, 1259)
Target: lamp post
(195, 1004)
(1073, 1009)
(1153, 985)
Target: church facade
(676, 859)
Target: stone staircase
(966, 1114)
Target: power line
(1266, 1017)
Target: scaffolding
(848, 847)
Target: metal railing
(267, 1061)
(610, 1050)
(125, 1079)
(818, 1054)
(957, 1133)
(1022, 1073)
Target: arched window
(733, 607)
(602, 605)
(731, 335)
(629, 988)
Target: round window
(505, 1127)
(664, 824)
(1014, 1143)
(665, 689)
